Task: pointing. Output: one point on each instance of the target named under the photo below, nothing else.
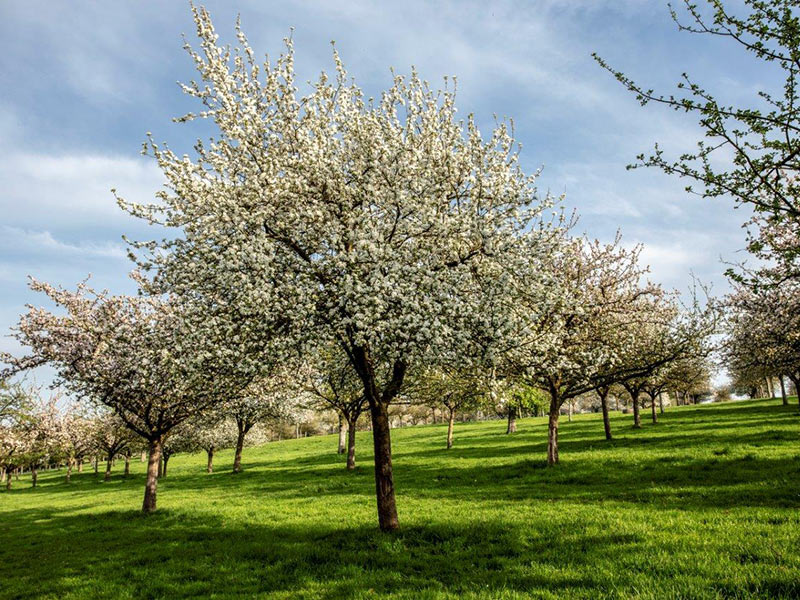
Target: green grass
(702, 505)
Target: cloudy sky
(83, 81)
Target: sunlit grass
(702, 505)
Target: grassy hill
(702, 505)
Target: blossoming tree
(336, 216)
(152, 361)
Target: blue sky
(81, 82)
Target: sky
(81, 82)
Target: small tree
(333, 384)
(111, 437)
(450, 389)
(153, 362)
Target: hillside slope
(702, 505)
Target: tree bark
(34, 476)
(653, 409)
(637, 418)
(69, 468)
(512, 420)
(96, 461)
(450, 421)
(351, 444)
(569, 411)
(661, 403)
(237, 458)
(783, 392)
(8, 480)
(127, 465)
(796, 382)
(342, 435)
(107, 476)
(552, 432)
(153, 465)
(384, 478)
(166, 459)
(80, 465)
(210, 464)
(160, 468)
(606, 420)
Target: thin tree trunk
(653, 409)
(34, 476)
(569, 411)
(107, 476)
(606, 420)
(80, 465)
(96, 461)
(127, 465)
(512, 420)
(450, 421)
(210, 464)
(342, 435)
(661, 403)
(783, 391)
(8, 480)
(153, 466)
(796, 383)
(237, 458)
(384, 478)
(166, 459)
(351, 444)
(552, 432)
(143, 456)
(69, 469)
(637, 419)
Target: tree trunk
(143, 456)
(166, 459)
(160, 468)
(34, 476)
(653, 409)
(552, 432)
(661, 403)
(127, 465)
(342, 435)
(80, 465)
(69, 468)
(450, 420)
(153, 467)
(783, 391)
(107, 476)
(606, 420)
(512, 420)
(569, 411)
(637, 419)
(796, 382)
(210, 464)
(237, 458)
(384, 478)
(8, 480)
(96, 461)
(351, 444)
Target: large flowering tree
(336, 216)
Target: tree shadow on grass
(175, 554)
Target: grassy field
(702, 505)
